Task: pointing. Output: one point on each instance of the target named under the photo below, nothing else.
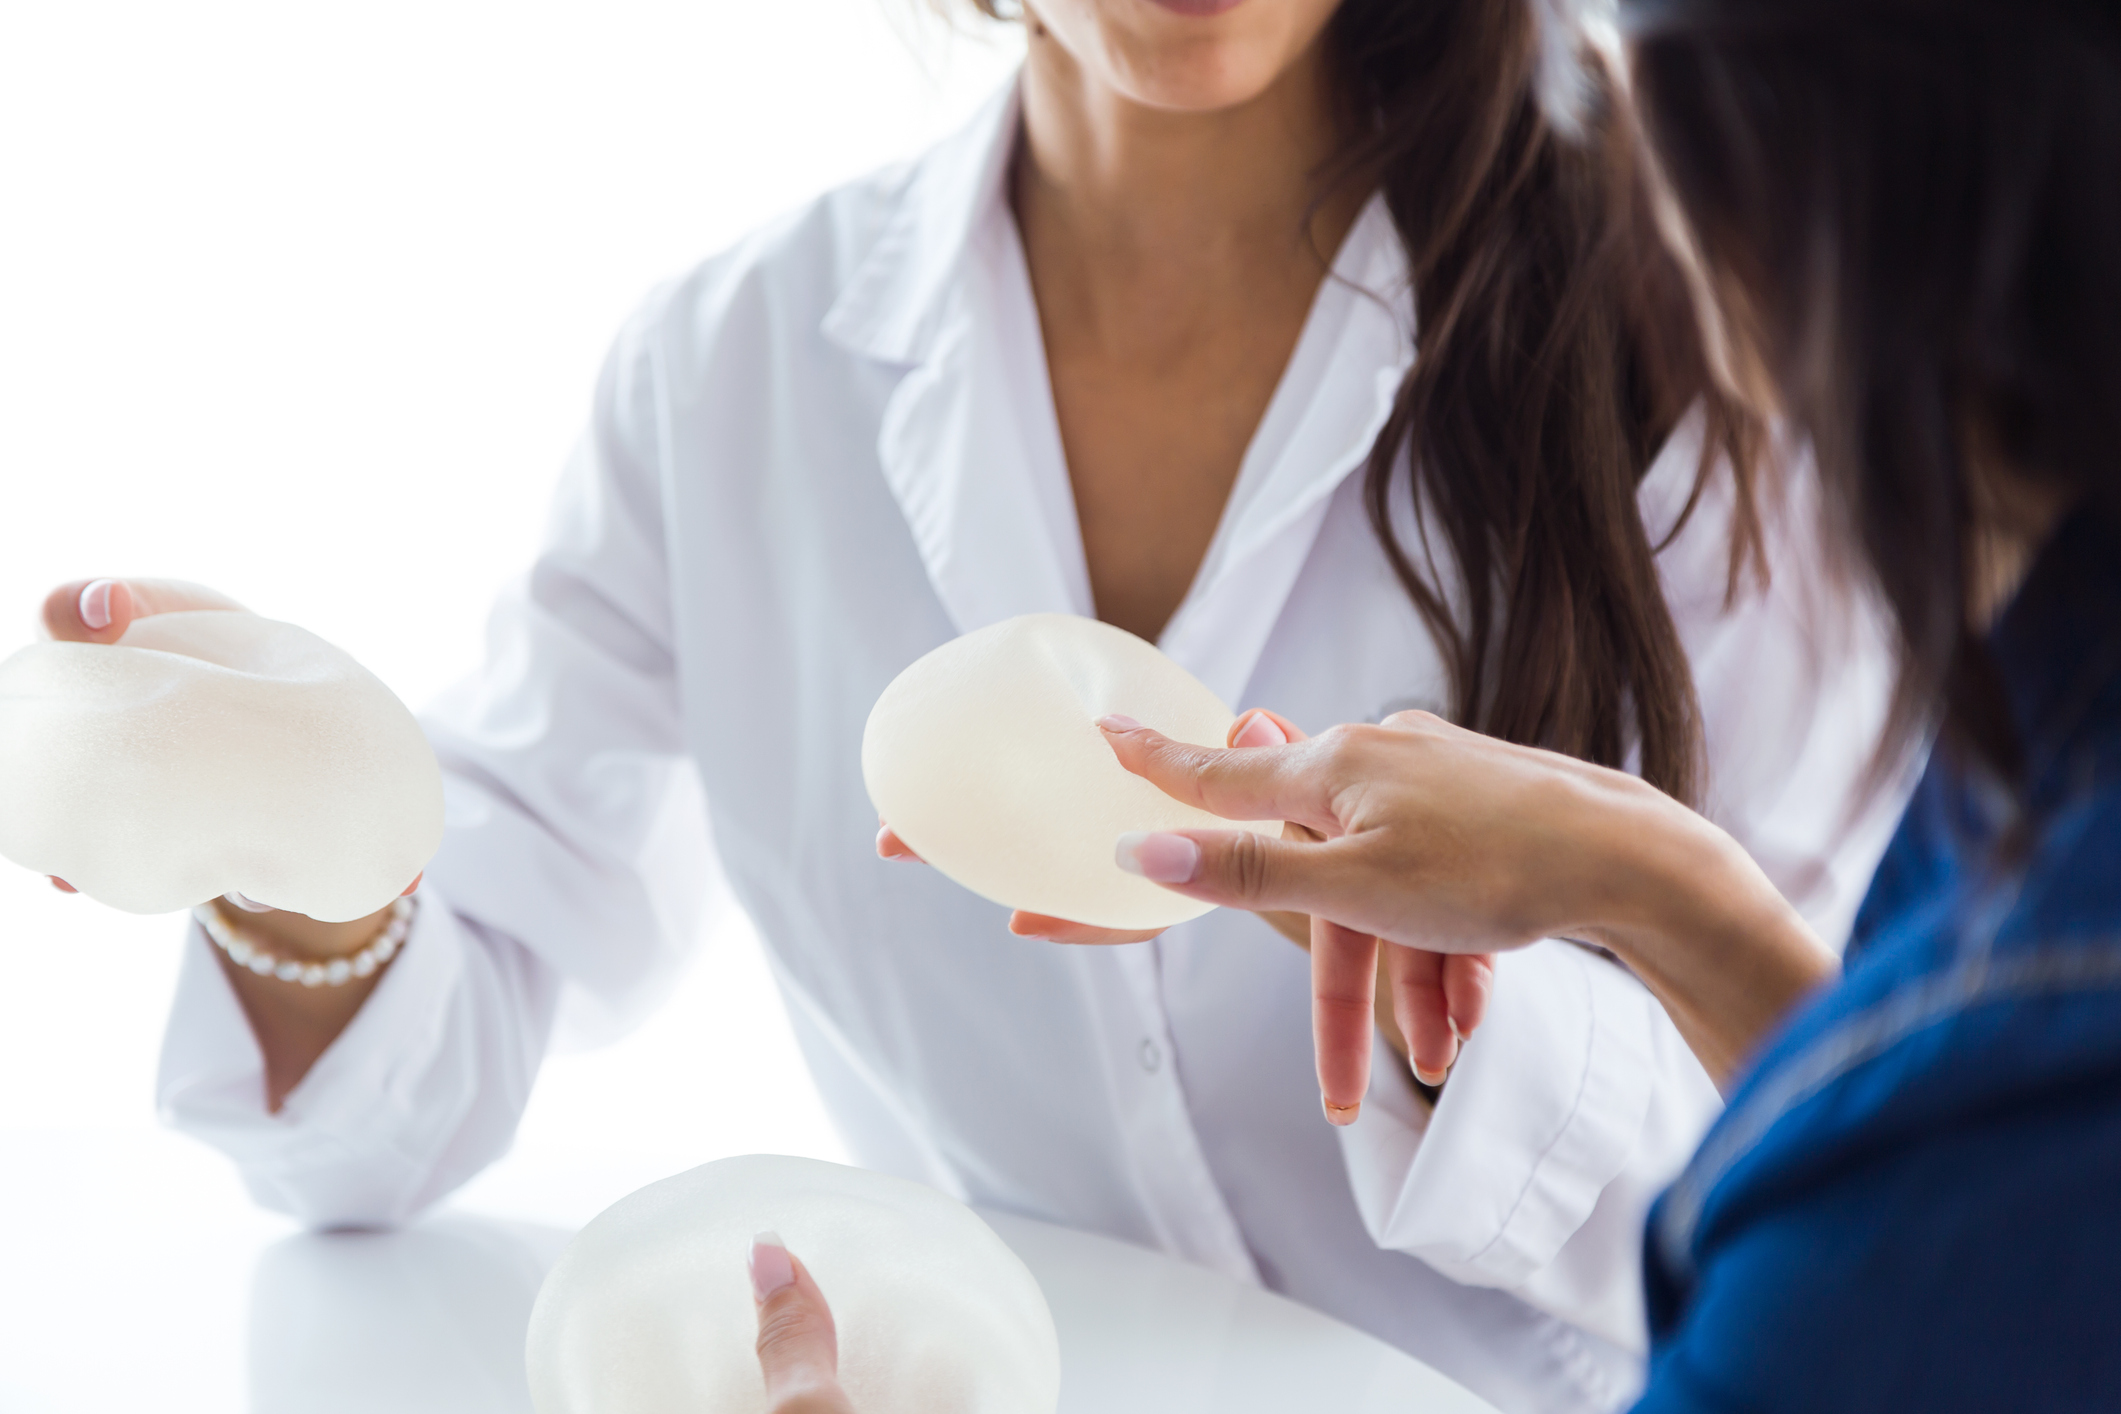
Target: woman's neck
(1116, 197)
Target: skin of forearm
(1687, 910)
(293, 1024)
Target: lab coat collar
(894, 307)
(970, 444)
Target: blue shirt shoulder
(1914, 1199)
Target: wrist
(298, 936)
(1692, 916)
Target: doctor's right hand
(293, 1024)
(101, 610)
(798, 1344)
(1424, 1004)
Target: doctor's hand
(1439, 839)
(101, 610)
(798, 1346)
(1424, 1004)
(293, 1025)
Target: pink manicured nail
(1432, 1081)
(1116, 722)
(1342, 1115)
(771, 1266)
(95, 605)
(1160, 858)
(247, 904)
(1261, 731)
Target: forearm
(294, 1024)
(1694, 918)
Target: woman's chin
(1188, 56)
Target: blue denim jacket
(1913, 1202)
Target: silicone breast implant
(649, 1310)
(985, 757)
(211, 751)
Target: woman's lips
(1198, 7)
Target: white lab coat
(811, 461)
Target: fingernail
(61, 885)
(95, 605)
(771, 1266)
(1160, 858)
(245, 903)
(1261, 731)
(1342, 1115)
(1114, 722)
(1432, 1079)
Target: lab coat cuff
(1542, 1111)
(339, 1140)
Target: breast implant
(649, 1310)
(213, 751)
(986, 759)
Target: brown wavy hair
(1557, 353)
(1920, 205)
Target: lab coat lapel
(968, 442)
(1331, 403)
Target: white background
(305, 302)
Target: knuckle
(1413, 721)
(1251, 865)
(788, 1332)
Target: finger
(1343, 992)
(100, 610)
(1418, 1006)
(890, 846)
(61, 885)
(1242, 869)
(1061, 930)
(1468, 979)
(798, 1346)
(1255, 783)
(1259, 727)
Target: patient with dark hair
(1902, 225)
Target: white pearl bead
(364, 963)
(288, 971)
(338, 972)
(313, 975)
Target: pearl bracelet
(336, 973)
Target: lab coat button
(1152, 1055)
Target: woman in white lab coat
(1084, 357)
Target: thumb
(798, 1346)
(100, 610)
(1241, 869)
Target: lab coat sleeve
(564, 782)
(1577, 1100)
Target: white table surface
(132, 1278)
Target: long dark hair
(1557, 353)
(1915, 210)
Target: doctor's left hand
(1424, 1004)
(798, 1345)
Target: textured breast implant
(212, 751)
(985, 757)
(649, 1310)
